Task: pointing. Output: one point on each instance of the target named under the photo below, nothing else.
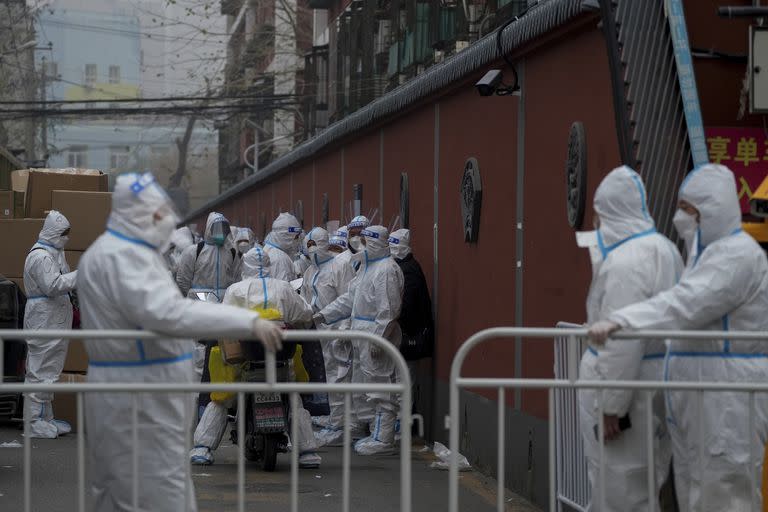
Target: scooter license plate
(263, 398)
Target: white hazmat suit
(212, 267)
(123, 283)
(47, 283)
(257, 289)
(725, 288)
(373, 303)
(281, 245)
(180, 240)
(326, 280)
(635, 263)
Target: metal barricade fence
(572, 479)
(270, 385)
(572, 335)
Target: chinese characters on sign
(745, 152)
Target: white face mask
(588, 239)
(686, 225)
(313, 250)
(243, 247)
(62, 242)
(356, 244)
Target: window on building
(118, 157)
(77, 156)
(114, 74)
(90, 74)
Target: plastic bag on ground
(444, 454)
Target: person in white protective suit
(325, 281)
(243, 241)
(257, 289)
(717, 461)
(281, 245)
(48, 283)
(302, 261)
(337, 243)
(180, 240)
(209, 267)
(123, 284)
(373, 304)
(632, 262)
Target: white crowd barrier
(270, 385)
(566, 457)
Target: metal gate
(572, 337)
(293, 389)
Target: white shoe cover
(309, 460)
(201, 456)
(321, 421)
(40, 416)
(62, 427)
(329, 437)
(369, 446)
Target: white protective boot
(209, 433)
(382, 438)
(308, 457)
(40, 416)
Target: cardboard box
(19, 180)
(77, 357)
(42, 184)
(18, 204)
(19, 235)
(87, 213)
(65, 404)
(6, 204)
(73, 258)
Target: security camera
(487, 85)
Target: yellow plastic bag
(221, 372)
(298, 366)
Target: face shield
(220, 230)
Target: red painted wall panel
(328, 181)
(361, 166)
(556, 272)
(476, 281)
(408, 147)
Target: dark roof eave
(543, 18)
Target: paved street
(375, 482)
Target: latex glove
(601, 331)
(318, 319)
(270, 335)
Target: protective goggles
(369, 234)
(293, 229)
(393, 240)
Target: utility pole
(44, 120)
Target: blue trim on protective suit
(145, 362)
(364, 318)
(127, 238)
(48, 245)
(726, 342)
(37, 297)
(641, 190)
(264, 287)
(337, 321)
(722, 355)
(605, 250)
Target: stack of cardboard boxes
(82, 196)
